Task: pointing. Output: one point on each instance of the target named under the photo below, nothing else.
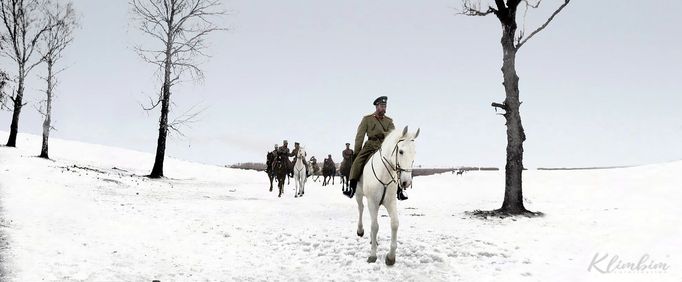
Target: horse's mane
(390, 140)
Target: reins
(300, 159)
(386, 164)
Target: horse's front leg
(373, 212)
(271, 179)
(393, 213)
(296, 182)
(269, 176)
(301, 178)
(300, 187)
(305, 178)
(361, 208)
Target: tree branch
(501, 106)
(187, 118)
(528, 4)
(153, 104)
(522, 30)
(474, 9)
(518, 46)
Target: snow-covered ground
(90, 215)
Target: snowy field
(90, 215)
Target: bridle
(299, 158)
(389, 168)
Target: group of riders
(282, 153)
(375, 126)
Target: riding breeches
(370, 147)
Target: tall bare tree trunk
(157, 170)
(47, 123)
(18, 104)
(513, 196)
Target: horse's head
(301, 153)
(402, 156)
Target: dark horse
(270, 167)
(328, 170)
(281, 170)
(344, 170)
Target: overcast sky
(600, 86)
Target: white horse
(300, 171)
(388, 169)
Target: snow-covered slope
(90, 215)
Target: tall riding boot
(401, 195)
(351, 190)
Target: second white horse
(300, 173)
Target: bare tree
(179, 29)
(23, 24)
(513, 39)
(62, 21)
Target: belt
(376, 138)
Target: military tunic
(294, 153)
(347, 154)
(284, 153)
(376, 129)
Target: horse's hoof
(390, 261)
(361, 233)
(372, 259)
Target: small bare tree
(513, 39)
(62, 21)
(179, 28)
(23, 24)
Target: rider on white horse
(386, 172)
(294, 153)
(376, 126)
(300, 171)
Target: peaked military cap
(380, 100)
